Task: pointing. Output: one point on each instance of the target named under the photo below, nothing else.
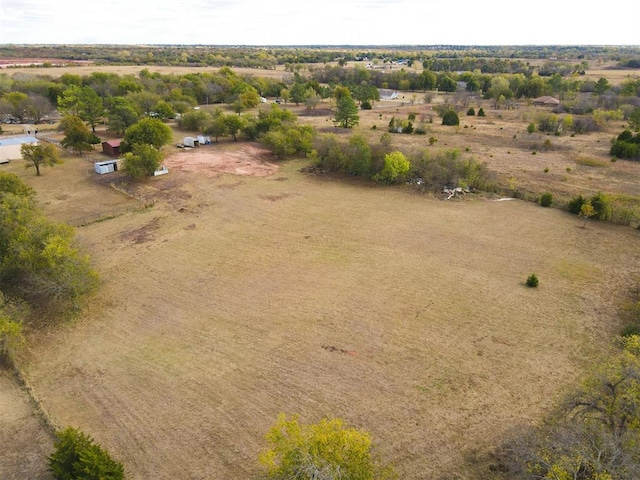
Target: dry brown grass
(578, 164)
(236, 298)
(25, 442)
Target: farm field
(237, 297)
(250, 288)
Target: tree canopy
(148, 130)
(396, 166)
(38, 259)
(346, 114)
(77, 456)
(326, 450)
(142, 161)
(39, 155)
(77, 136)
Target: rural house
(546, 101)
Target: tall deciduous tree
(15, 104)
(148, 130)
(38, 259)
(233, 124)
(38, 106)
(39, 155)
(82, 102)
(121, 115)
(77, 136)
(142, 161)
(346, 113)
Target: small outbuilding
(111, 148)
(190, 142)
(386, 94)
(106, 167)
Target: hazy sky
(326, 22)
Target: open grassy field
(250, 289)
(238, 297)
(25, 442)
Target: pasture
(237, 297)
(251, 288)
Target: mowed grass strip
(407, 317)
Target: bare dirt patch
(245, 159)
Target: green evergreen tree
(347, 113)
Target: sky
(324, 22)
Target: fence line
(49, 140)
(143, 204)
(143, 200)
(102, 216)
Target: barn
(111, 148)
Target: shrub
(471, 112)
(531, 128)
(396, 166)
(546, 199)
(450, 118)
(447, 167)
(602, 206)
(575, 204)
(432, 140)
(630, 330)
(408, 128)
(366, 105)
(532, 281)
(77, 456)
(481, 112)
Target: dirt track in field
(236, 298)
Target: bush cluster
(626, 146)
(546, 199)
(600, 203)
(77, 456)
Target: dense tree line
(40, 264)
(268, 57)
(381, 163)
